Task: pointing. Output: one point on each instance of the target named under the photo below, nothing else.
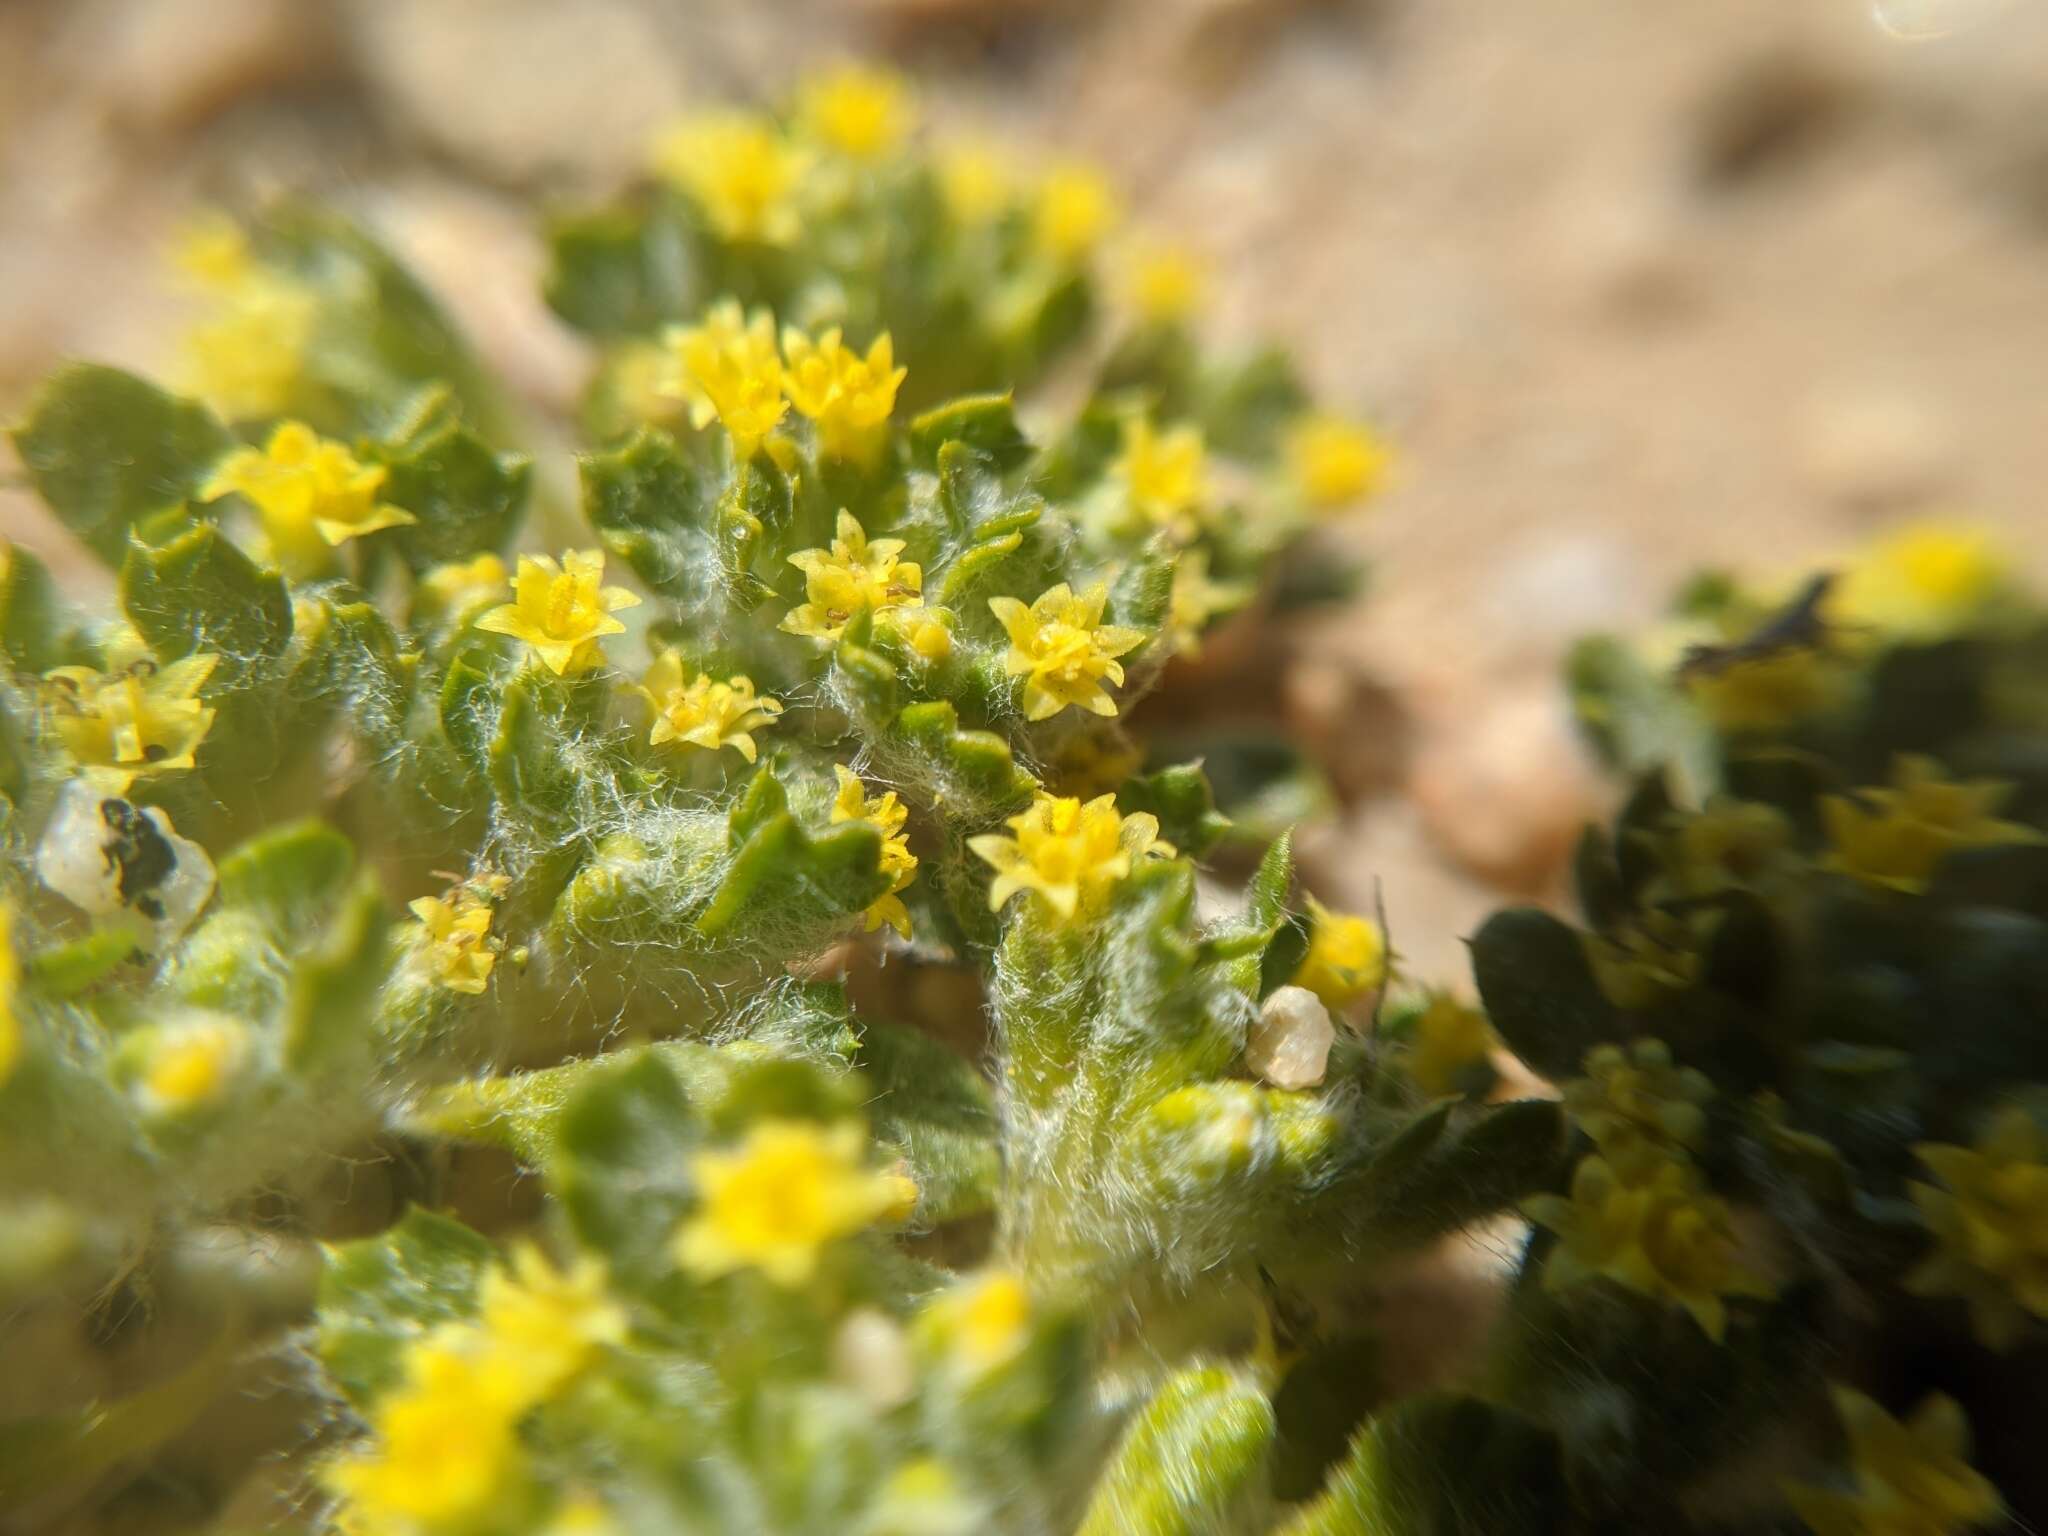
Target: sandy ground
(1633, 287)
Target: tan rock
(1290, 1045)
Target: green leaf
(291, 876)
(1179, 796)
(620, 272)
(74, 967)
(652, 508)
(105, 449)
(941, 1112)
(467, 497)
(331, 1003)
(622, 1174)
(986, 424)
(469, 713)
(1538, 988)
(1189, 1461)
(37, 631)
(529, 765)
(783, 875)
(382, 1293)
(200, 593)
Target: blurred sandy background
(1633, 286)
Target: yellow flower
(1332, 461)
(1895, 837)
(1924, 582)
(728, 343)
(561, 610)
(546, 1324)
(1911, 1479)
(310, 491)
(776, 1200)
(1727, 844)
(865, 114)
(1070, 853)
(727, 366)
(1663, 1236)
(246, 359)
(704, 712)
(446, 1446)
(849, 396)
(455, 945)
(981, 1323)
(1063, 650)
(135, 722)
(741, 172)
(975, 182)
(1164, 475)
(10, 984)
(1073, 210)
(1637, 1106)
(1990, 1226)
(853, 574)
(1769, 692)
(1166, 283)
(187, 1066)
(1647, 956)
(887, 814)
(1346, 959)
(212, 251)
(1196, 600)
(1452, 1048)
(459, 586)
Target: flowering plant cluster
(712, 1021)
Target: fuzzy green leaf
(200, 593)
(622, 1173)
(941, 1112)
(1538, 988)
(467, 497)
(106, 449)
(382, 1293)
(1188, 1462)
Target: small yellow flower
(1990, 1227)
(1452, 1048)
(853, 574)
(774, 1202)
(727, 367)
(1637, 1106)
(1924, 582)
(1196, 600)
(1332, 462)
(544, 1323)
(456, 949)
(925, 630)
(741, 172)
(1073, 210)
(887, 814)
(1663, 1236)
(134, 722)
(849, 396)
(1069, 852)
(1911, 1479)
(1166, 283)
(212, 251)
(10, 984)
(1346, 959)
(1063, 650)
(1648, 956)
(864, 114)
(446, 1447)
(704, 712)
(188, 1065)
(1726, 845)
(248, 356)
(456, 589)
(311, 493)
(1895, 837)
(1164, 475)
(562, 611)
(1769, 692)
(983, 1322)
(976, 183)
